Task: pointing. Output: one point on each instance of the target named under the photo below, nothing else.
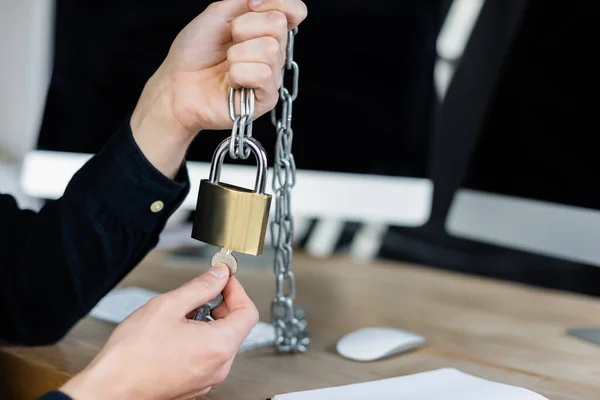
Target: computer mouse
(371, 344)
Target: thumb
(198, 291)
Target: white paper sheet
(441, 384)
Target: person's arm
(193, 355)
(113, 218)
(55, 265)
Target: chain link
(290, 324)
(242, 122)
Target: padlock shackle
(261, 160)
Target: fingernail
(219, 270)
(255, 3)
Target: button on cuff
(157, 206)
(131, 187)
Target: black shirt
(55, 395)
(55, 265)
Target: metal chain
(242, 122)
(290, 324)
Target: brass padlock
(229, 216)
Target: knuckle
(303, 10)
(235, 72)
(157, 303)
(221, 353)
(231, 54)
(272, 47)
(233, 69)
(264, 73)
(279, 4)
(278, 76)
(236, 29)
(278, 19)
(256, 316)
(214, 6)
(253, 311)
(270, 103)
(221, 374)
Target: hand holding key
(157, 353)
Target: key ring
(242, 123)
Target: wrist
(158, 134)
(94, 384)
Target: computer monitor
(529, 114)
(361, 141)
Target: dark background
(365, 70)
(518, 118)
(541, 130)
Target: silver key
(224, 256)
(203, 312)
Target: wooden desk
(504, 332)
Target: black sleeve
(54, 395)
(55, 265)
